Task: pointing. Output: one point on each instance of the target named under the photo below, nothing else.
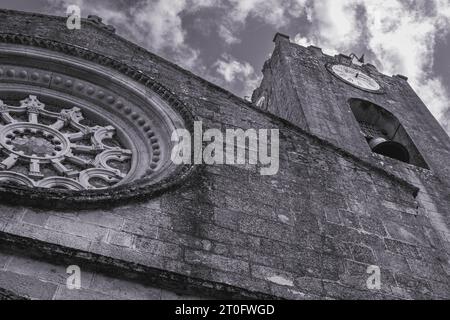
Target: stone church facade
(86, 177)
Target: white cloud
(227, 35)
(306, 42)
(336, 22)
(407, 46)
(433, 92)
(270, 11)
(234, 71)
(160, 22)
(231, 69)
(446, 121)
(277, 13)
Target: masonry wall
(308, 232)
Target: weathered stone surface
(309, 232)
(27, 286)
(70, 294)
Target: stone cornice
(118, 267)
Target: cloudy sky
(227, 41)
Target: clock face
(355, 77)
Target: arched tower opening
(385, 134)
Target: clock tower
(354, 106)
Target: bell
(389, 149)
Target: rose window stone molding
(80, 127)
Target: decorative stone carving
(65, 141)
(124, 115)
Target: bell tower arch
(385, 134)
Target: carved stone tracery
(76, 152)
(109, 93)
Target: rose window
(75, 120)
(47, 149)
